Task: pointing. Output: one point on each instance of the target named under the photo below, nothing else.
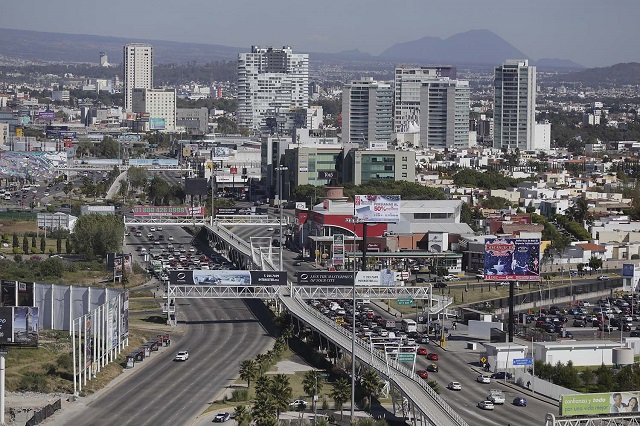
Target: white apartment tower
(272, 83)
(430, 98)
(514, 105)
(138, 70)
(367, 111)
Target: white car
(483, 379)
(496, 396)
(182, 356)
(603, 277)
(152, 229)
(454, 386)
(170, 238)
(221, 417)
(298, 402)
(159, 228)
(486, 405)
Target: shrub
(65, 362)
(17, 251)
(239, 395)
(34, 382)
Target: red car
(423, 374)
(432, 356)
(422, 351)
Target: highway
(175, 393)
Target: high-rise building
(104, 59)
(138, 70)
(408, 81)
(156, 105)
(367, 111)
(272, 84)
(514, 105)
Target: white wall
(482, 329)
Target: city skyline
(592, 33)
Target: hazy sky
(590, 32)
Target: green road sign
(402, 357)
(405, 302)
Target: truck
(408, 326)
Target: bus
(408, 326)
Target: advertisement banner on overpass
(591, 404)
(167, 211)
(227, 277)
(149, 162)
(325, 278)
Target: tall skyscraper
(514, 113)
(408, 82)
(430, 98)
(138, 70)
(367, 111)
(272, 84)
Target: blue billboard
(512, 259)
(156, 123)
(149, 162)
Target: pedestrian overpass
(220, 221)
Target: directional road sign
(523, 361)
(405, 302)
(406, 357)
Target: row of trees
(406, 190)
(601, 379)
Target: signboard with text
(338, 249)
(377, 208)
(225, 277)
(166, 211)
(512, 259)
(325, 278)
(592, 404)
(47, 115)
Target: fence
(44, 413)
(537, 385)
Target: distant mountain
(478, 47)
(55, 47)
(619, 74)
(557, 64)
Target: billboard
(377, 208)
(512, 259)
(240, 211)
(384, 278)
(149, 162)
(320, 278)
(157, 123)
(6, 325)
(590, 404)
(196, 186)
(220, 153)
(47, 115)
(25, 325)
(172, 211)
(628, 269)
(227, 277)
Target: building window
(404, 175)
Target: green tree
(25, 244)
(434, 385)
(58, 245)
(67, 246)
(587, 378)
(43, 244)
(264, 410)
(606, 382)
(312, 384)
(595, 263)
(281, 392)
(242, 415)
(107, 148)
(496, 203)
(96, 235)
(16, 243)
(137, 176)
(53, 267)
(263, 384)
(159, 192)
(34, 242)
(340, 394)
(371, 383)
(307, 193)
(248, 370)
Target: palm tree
(248, 370)
(340, 394)
(263, 361)
(242, 415)
(371, 383)
(312, 384)
(263, 385)
(281, 393)
(263, 411)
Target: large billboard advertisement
(6, 325)
(338, 249)
(377, 208)
(227, 277)
(512, 259)
(196, 186)
(167, 211)
(590, 404)
(148, 162)
(156, 123)
(240, 211)
(25, 325)
(384, 278)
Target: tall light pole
(281, 169)
(353, 220)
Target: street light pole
(281, 169)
